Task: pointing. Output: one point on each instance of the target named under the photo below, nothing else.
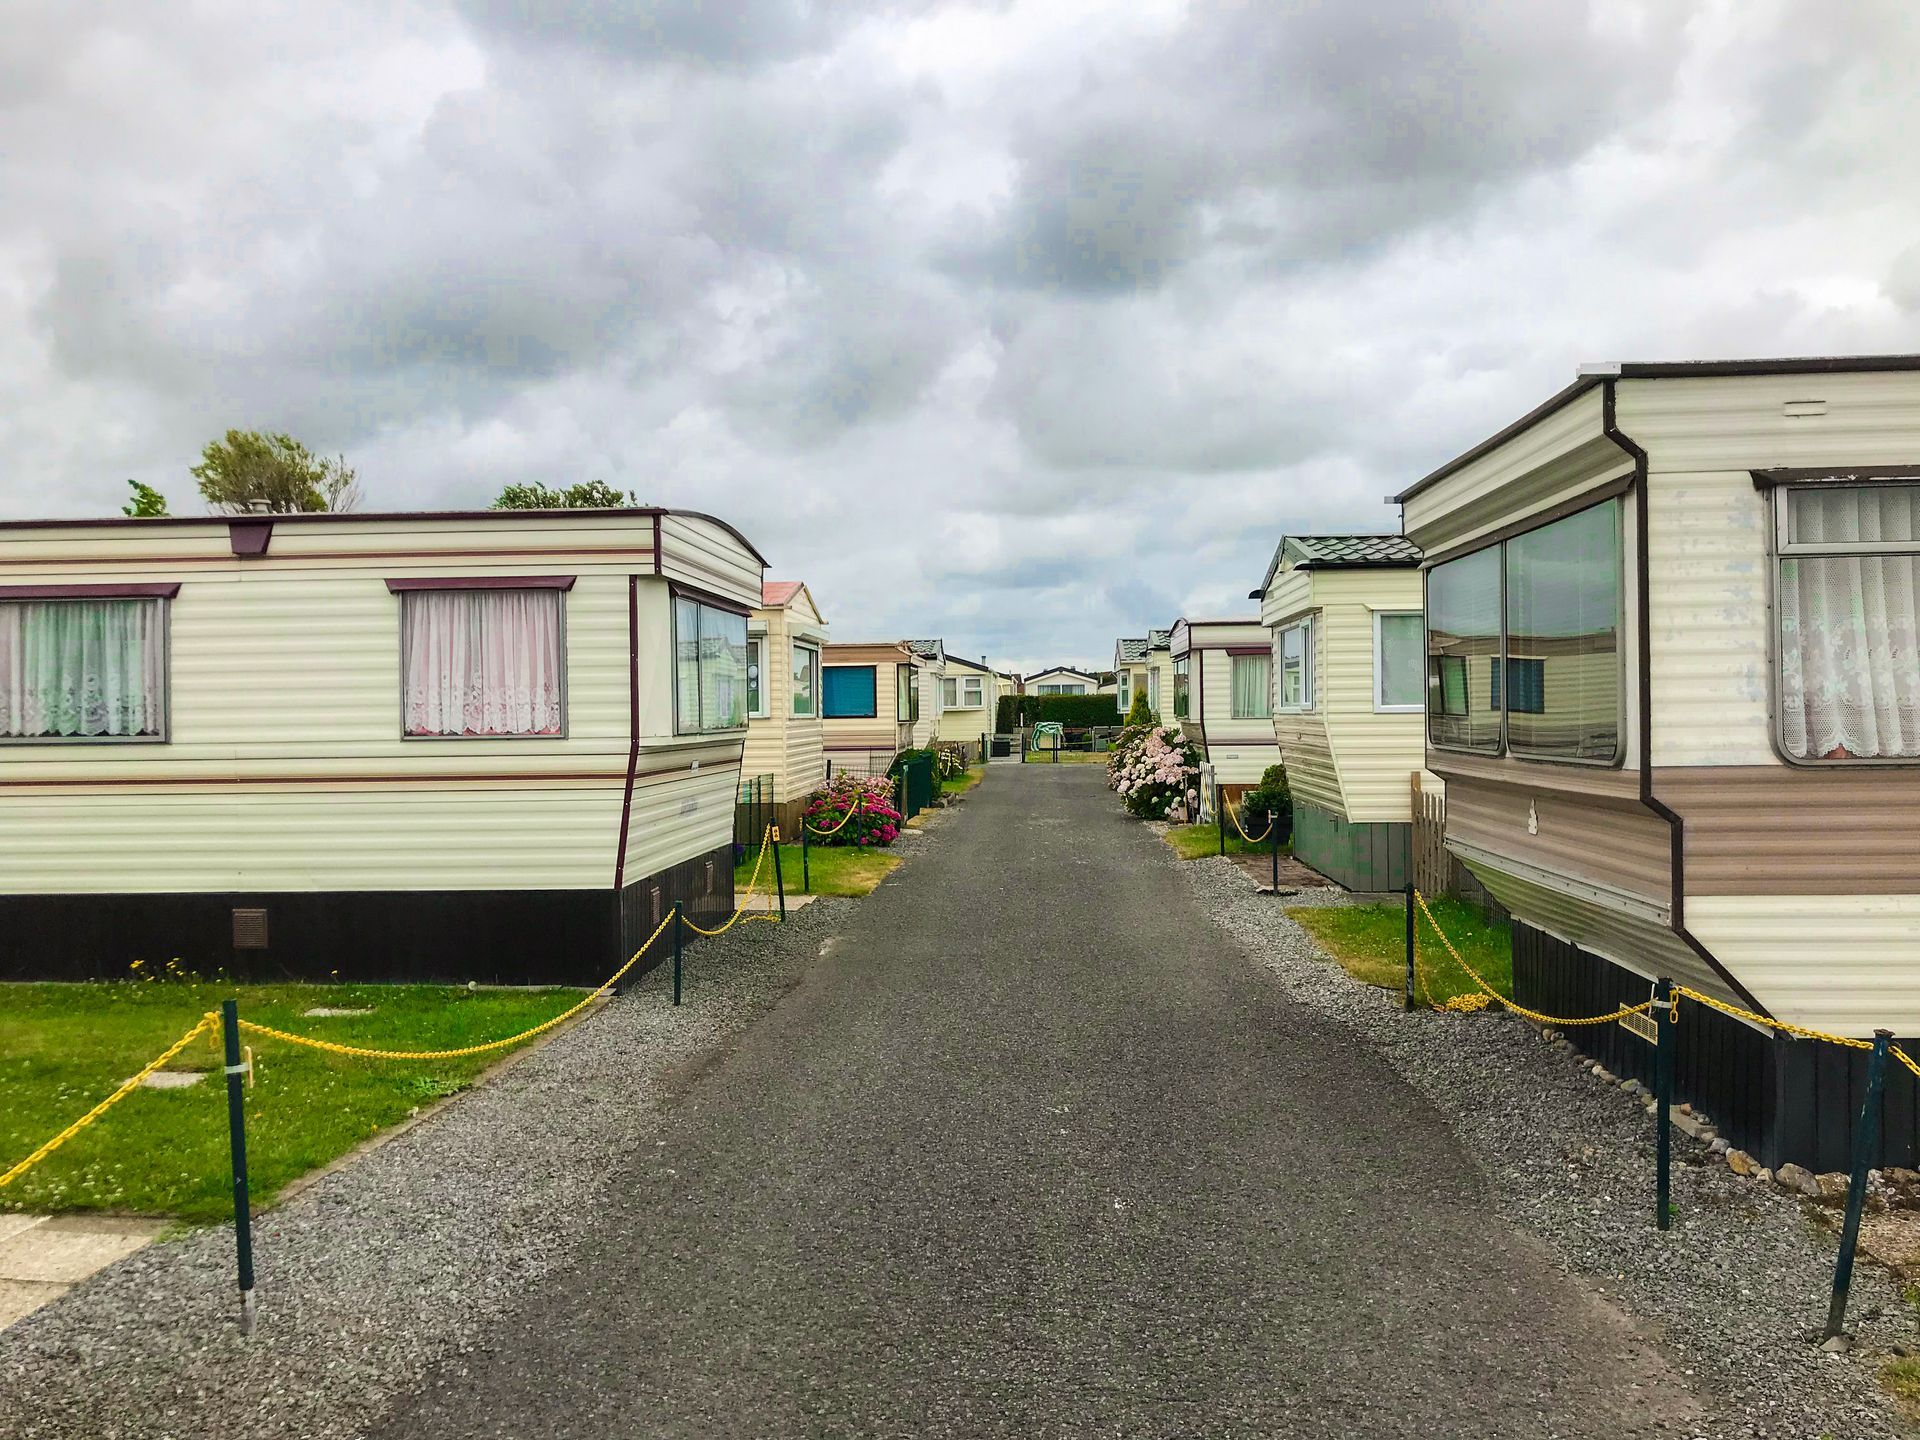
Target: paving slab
(20, 1298)
(65, 1249)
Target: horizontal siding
(676, 819)
(705, 555)
(1309, 760)
(1843, 963)
(1707, 545)
(1624, 849)
(1737, 422)
(1782, 830)
(1377, 753)
(786, 746)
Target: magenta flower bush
(1154, 769)
(867, 799)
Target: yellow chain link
(753, 883)
(1770, 1023)
(1518, 1009)
(852, 811)
(1250, 839)
(361, 1052)
(1905, 1059)
(204, 1023)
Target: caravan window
(1463, 626)
(1848, 659)
(482, 663)
(806, 678)
(756, 677)
(83, 669)
(1397, 640)
(710, 667)
(1293, 649)
(1252, 678)
(848, 693)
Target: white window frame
(1233, 688)
(1306, 705)
(1122, 700)
(954, 681)
(757, 648)
(796, 648)
(1380, 705)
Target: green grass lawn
(1069, 757)
(836, 870)
(964, 781)
(1370, 941)
(1196, 842)
(64, 1048)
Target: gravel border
(384, 1267)
(1737, 1289)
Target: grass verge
(1068, 757)
(1370, 943)
(1196, 842)
(835, 870)
(963, 782)
(1900, 1379)
(63, 1048)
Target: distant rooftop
(775, 593)
(1342, 552)
(928, 649)
(1131, 651)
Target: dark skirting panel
(1778, 1099)
(493, 937)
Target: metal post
(237, 1148)
(678, 917)
(1273, 836)
(806, 855)
(778, 883)
(1220, 817)
(1409, 996)
(1866, 1139)
(1662, 1100)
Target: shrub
(1154, 769)
(867, 798)
(1271, 797)
(1006, 714)
(1139, 713)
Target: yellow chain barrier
(753, 883)
(1769, 1022)
(203, 1024)
(1250, 839)
(1905, 1059)
(852, 811)
(1489, 993)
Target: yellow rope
(1250, 839)
(1518, 1009)
(107, 1104)
(753, 883)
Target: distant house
(1342, 613)
(492, 746)
(1143, 666)
(870, 703)
(785, 734)
(1062, 680)
(969, 694)
(1672, 688)
(1223, 697)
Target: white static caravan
(1223, 697)
(1349, 699)
(492, 746)
(969, 698)
(930, 671)
(785, 733)
(1061, 680)
(1674, 691)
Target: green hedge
(1006, 716)
(1075, 711)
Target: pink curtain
(482, 662)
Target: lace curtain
(482, 662)
(1252, 687)
(1849, 662)
(81, 668)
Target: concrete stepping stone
(331, 1012)
(173, 1079)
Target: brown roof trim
(712, 598)
(1795, 475)
(482, 582)
(155, 590)
(356, 517)
(1500, 437)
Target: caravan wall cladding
(319, 800)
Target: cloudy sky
(1026, 323)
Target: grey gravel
(1737, 1288)
(399, 1259)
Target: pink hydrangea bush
(867, 798)
(1153, 770)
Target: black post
(1662, 1100)
(1220, 817)
(1409, 997)
(1866, 1139)
(829, 779)
(237, 1148)
(806, 855)
(1273, 836)
(779, 884)
(1058, 736)
(678, 917)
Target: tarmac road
(1034, 1151)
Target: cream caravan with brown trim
(873, 698)
(1674, 689)
(1226, 696)
(489, 746)
(786, 739)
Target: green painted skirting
(1360, 857)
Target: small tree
(1271, 799)
(1139, 713)
(255, 470)
(588, 495)
(147, 503)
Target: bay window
(1845, 589)
(1523, 643)
(710, 667)
(1293, 654)
(1398, 640)
(84, 668)
(481, 662)
(1252, 686)
(806, 678)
